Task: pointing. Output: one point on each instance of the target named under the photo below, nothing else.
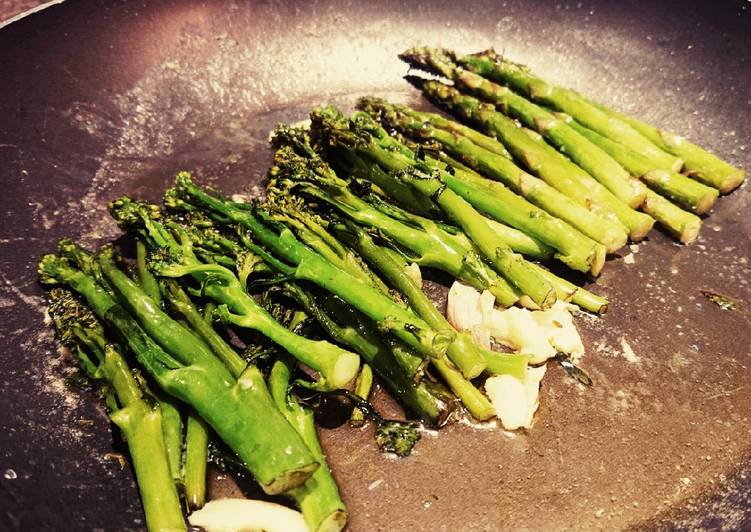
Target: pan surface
(99, 99)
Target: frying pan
(99, 99)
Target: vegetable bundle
(233, 315)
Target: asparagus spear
(301, 262)
(598, 163)
(334, 130)
(494, 67)
(700, 164)
(576, 250)
(235, 409)
(517, 240)
(564, 289)
(689, 194)
(559, 172)
(137, 415)
(684, 225)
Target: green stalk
(196, 459)
(240, 411)
(146, 279)
(699, 163)
(172, 428)
(392, 267)
(363, 385)
(310, 266)
(180, 301)
(568, 291)
(520, 79)
(390, 359)
(499, 168)
(136, 415)
(558, 171)
(683, 225)
(429, 243)
(336, 366)
(318, 499)
(517, 240)
(506, 262)
(587, 155)
(689, 194)
(141, 424)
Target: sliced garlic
(247, 515)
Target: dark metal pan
(100, 98)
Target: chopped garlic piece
(559, 324)
(413, 270)
(539, 333)
(515, 402)
(245, 515)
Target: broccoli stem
(310, 266)
(138, 417)
(393, 361)
(146, 279)
(172, 427)
(196, 459)
(363, 386)
(318, 499)
(240, 411)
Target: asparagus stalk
(576, 250)
(332, 127)
(516, 239)
(559, 172)
(235, 409)
(302, 263)
(136, 415)
(701, 165)
(564, 289)
(598, 163)
(689, 194)
(492, 66)
(684, 225)
(196, 458)
(318, 499)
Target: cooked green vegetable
(590, 157)
(241, 411)
(135, 412)
(364, 136)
